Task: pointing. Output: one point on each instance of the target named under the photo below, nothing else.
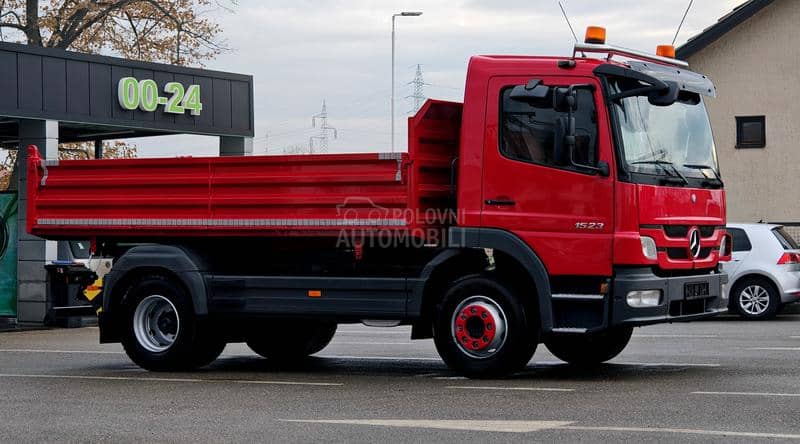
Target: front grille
(707, 230)
(683, 253)
(676, 230)
(681, 231)
(683, 308)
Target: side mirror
(532, 92)
(666, 96)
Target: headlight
(649, 248)
(644, 298)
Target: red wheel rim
(479, 327)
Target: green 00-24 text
(145, 95)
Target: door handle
(501, 202)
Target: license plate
(695, 290)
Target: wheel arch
(173, 262)
(755, 274)
(515, 262)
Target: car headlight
(649, 248)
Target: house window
(751, 132)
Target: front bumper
(673, 307)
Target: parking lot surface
(707, 381)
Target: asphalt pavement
(721, 380)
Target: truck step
(578, 297)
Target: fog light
(644, 298)
(724, 292)
(649, 248)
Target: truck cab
(634, 200)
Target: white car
(764, 274)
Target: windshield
(654, 136)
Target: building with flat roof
(50, 96)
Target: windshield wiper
(716, 181)
(663, 163)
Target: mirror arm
(570, 139)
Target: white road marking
(523, 389)
(677, 336)
(373, 333)
(724, 433)
(776, 348)
(788, 395)
(794, 337)
(85, 352)
(379, 358)
(149, 379)
(533, 426)
(369, 343)
(668, 364)
(644, 364)
(375, 358)
(477, 425)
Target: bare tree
(179, 32)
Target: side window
(534, 132)
(740, 240)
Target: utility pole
(324, 130)
(401, 14)
(419, 93)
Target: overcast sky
(303, 51)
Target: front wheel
(162, 332)
(483, 330)
(589, 349)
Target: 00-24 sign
(144, 95)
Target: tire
(755, 298)
(286, 340)
(589, 350)
(162, 332)
(482, 329)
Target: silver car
(764, 274)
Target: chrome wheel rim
(156, 323)
(754, 300)
(479, 327)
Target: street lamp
(402, 14)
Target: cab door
(564, 213)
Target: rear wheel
(162, 332)
(755, 298)
(482, 329)
(589, 349)
(286, 340)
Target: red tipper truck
(566, 201)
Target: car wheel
(162, 332)
(482, 329)
(755, 298)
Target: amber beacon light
(666, 51)
(595, 34)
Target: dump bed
(313, 195)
